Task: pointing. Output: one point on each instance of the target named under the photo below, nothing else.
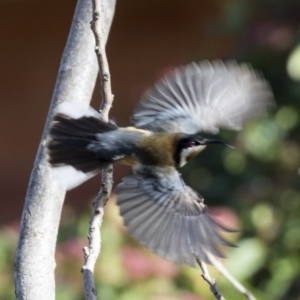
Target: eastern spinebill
(159, 209)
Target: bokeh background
(254, 188)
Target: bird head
(190, 145)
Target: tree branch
(219, 266)
(34, 261)
(211, 282)
(105, 82)
(92, 252)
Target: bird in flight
(158, 208)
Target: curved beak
(213, 141)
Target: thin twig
(105, 83)
(219, 266)
(92, 252)
(211, 282)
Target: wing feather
(204, 97)
(168, 217)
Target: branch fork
(211, 281)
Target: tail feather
(68, 145)
(84, 127)
(84, 162)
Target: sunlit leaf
(293, 64)
(245, 260)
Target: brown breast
(158, 149)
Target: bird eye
(191, 143)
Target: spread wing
(203, 97)
(168, 217)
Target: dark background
(255, 188)
(147, 37)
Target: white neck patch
(188, 153)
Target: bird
(160, 211)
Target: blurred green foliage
(255, 186)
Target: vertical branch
(34, 261)
(92, 252)
(105, 82)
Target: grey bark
(34, 261)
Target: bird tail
(74, 128)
